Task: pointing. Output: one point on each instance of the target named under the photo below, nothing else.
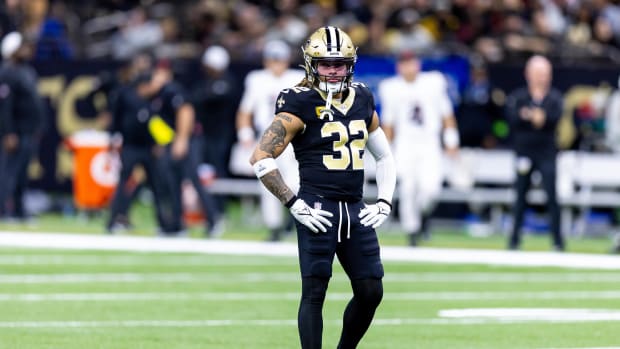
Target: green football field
(84, 299)
(61, 298)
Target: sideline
(293, 277)
(278, 322)
(345, 296)
(388, 253)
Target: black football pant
(14, 176)
(131, 156)
(546, 165)
(207, 201)
(170, 174)
(367, 294)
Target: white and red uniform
(416, 110)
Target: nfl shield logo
(318, 206)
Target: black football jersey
(330, 152)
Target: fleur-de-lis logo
(280, 102)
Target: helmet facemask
(329, 44)
(322, 81)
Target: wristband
(451, 137)
(264, 166)
(290, 203)
(385, 202)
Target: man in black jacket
(533, 113)
(215, 98)
(171, 124)
(131, 137)
(22, 116)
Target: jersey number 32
(349, 152)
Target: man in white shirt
(255, 114)
(417, 117)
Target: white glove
(375, 214)
(312, 218)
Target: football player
(330, 121)
(417, 116)
(255, 113)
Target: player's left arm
(379, 147)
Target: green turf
(252, 288)
(241, 225)
(194, 289)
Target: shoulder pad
(359, 85)
(361, 88)
(291, 99)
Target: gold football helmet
(329, 44)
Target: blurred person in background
(208, 21)
(22, 122)
(147, 115)
(533, 113)
(171, 124)
(209, 207)
(45, 24)
(411, 33)
(417, 116)
(255, 114)
(246, 37)
(215, 98)
(208, 134)
(330, 121)
(287, 25)
(139, 32)
(479, 112)
(130, 136)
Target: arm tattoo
(285, 117)
(273, 137)
(275, 184)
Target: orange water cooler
(96, 170)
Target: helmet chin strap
(331, 89)
(328, 103)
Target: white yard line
(227, 323)
(146, 260)
(253, 323)
(422, 254)
(293, 277)
(294, 296)
(533, 314)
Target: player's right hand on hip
(312, 218)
